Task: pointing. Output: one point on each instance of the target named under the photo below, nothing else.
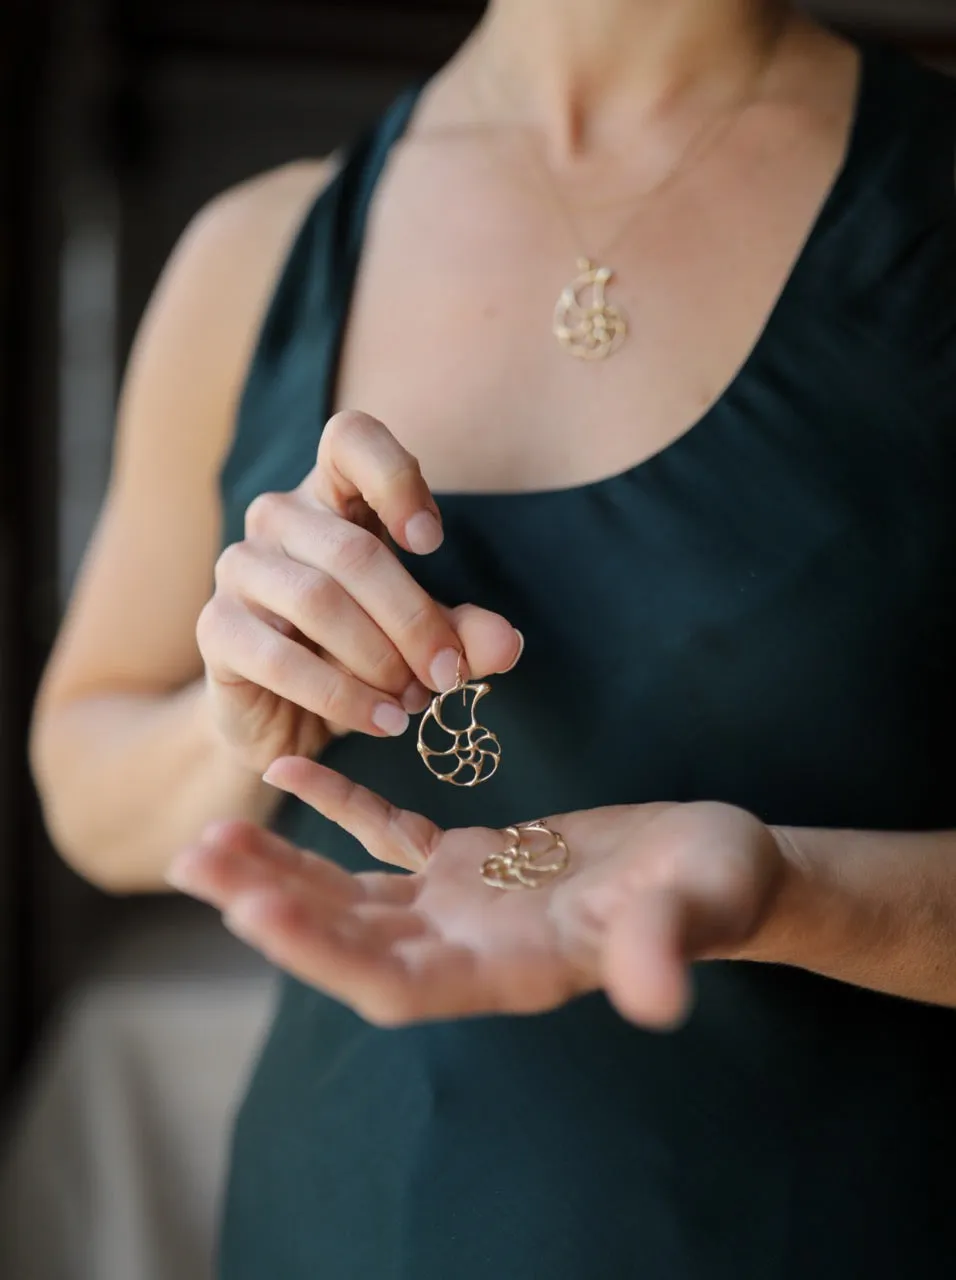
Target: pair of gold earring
(473, 757)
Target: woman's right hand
(315, 627)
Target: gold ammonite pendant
(474, 753)
(591, 329)
(522, 866)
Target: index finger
(360, 460)
(398, 836)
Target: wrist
(802, 908)
(224, 760)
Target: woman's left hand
(648, 889)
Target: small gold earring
(475, 752)
(519, 867)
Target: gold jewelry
(519, 866)
(592, 330)
(586, 325)
(475, 752)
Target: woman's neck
(581, 70)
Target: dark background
(117, 121)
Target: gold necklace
(585, 323)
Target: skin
(314, 618)
(182, 673)
(649, 891)
(440, 943)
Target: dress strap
(356, 185)
(296, 356)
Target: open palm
(648, 889)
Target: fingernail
(175, 879)
(517, 657)
(444, 670)
(390, 719)
(416, 698)
(423, 533)
(215, 831)
(242, 918)
(244, 932)
(177, 873)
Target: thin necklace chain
(586, 324)
(702, 142)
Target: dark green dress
(762, 613)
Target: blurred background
(127, 1026)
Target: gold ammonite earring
(520, 865)
(474, 753)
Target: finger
(456, 981)
(389, 971)
(644, 965)
(237, 857)
(489, 641)
(319, 948)
(420, 629)
(398, 836)
(387, 888)
(321, 610)
(236, 644)
(389, 983)
(359, 458)
(378, 927)
(369, 572)
(218, 876)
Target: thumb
(491, 644)
(644, 966)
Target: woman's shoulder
(196, 338)
(265, 207)
(217, 281)
(243, 235)
(205, 313)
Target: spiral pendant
(473, 754)
(588, 326)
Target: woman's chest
(450, 335)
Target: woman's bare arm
(123, 748)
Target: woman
(707, 476)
